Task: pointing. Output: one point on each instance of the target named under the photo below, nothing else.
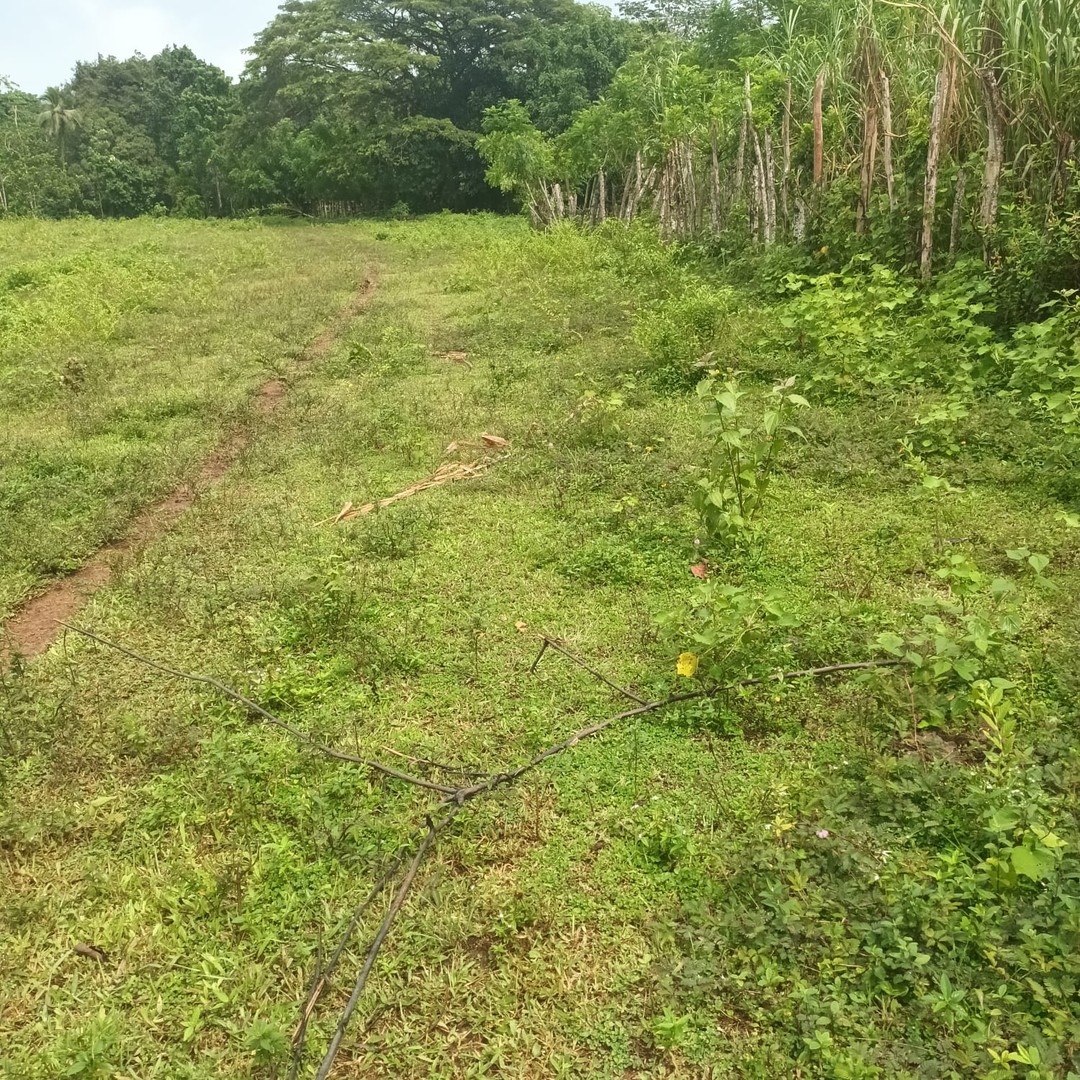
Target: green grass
(213, 859)
(126, 349)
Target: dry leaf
(700, 571)
(493, 440)
(521, 626)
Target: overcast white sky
(39, 43)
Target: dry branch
(453, 801)
(433, 830)
(258, 710)
(551, 643)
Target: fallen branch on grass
(322, 976)
(464, 794)
(448, 473)
(551, 643)
(453, 802)
(437, 766)
(433, 830)
(456, 802)
(258, 710)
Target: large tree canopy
(388, 100)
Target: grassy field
(802, 879)
(125, 351)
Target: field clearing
(126, 352)
(210, 862)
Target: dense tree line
(920, 133)
(346, 104)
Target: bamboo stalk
(714, 179)
(887, 138)
(957, 211)
(770, 190)
(785, 135)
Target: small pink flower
(823, 834)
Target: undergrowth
(855, 874)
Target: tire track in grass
(35, 624)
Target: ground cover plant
(855, 874)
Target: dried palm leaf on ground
(447, 473)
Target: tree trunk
(770, 190)
(760, 178)
(663, 202)
(601, 194)
(933, 156)
(740, 164)
(869, 159)
(714, 180)
(689, 184)
(626, 210)
(785, 134)
(990, 83)
(957, 211)
(819, 129)
(760, 187)
(887, 138)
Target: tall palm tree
(58, 120)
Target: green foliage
(518, 157)
(731, 631)
(678, 334)
(902, 916)
(910, 909)
(1044, 359)
(745, 451)
(963, 639)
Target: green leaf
(1037, 865)
(891, 643)
(1039, 563)
(1001, 586)
(967, 669)
(1004, 820)
(1017, 554)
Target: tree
(32, 180)
(58, 120)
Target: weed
(745, 450)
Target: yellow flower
(687, 664)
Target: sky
(39, 44)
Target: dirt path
(34, 626)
